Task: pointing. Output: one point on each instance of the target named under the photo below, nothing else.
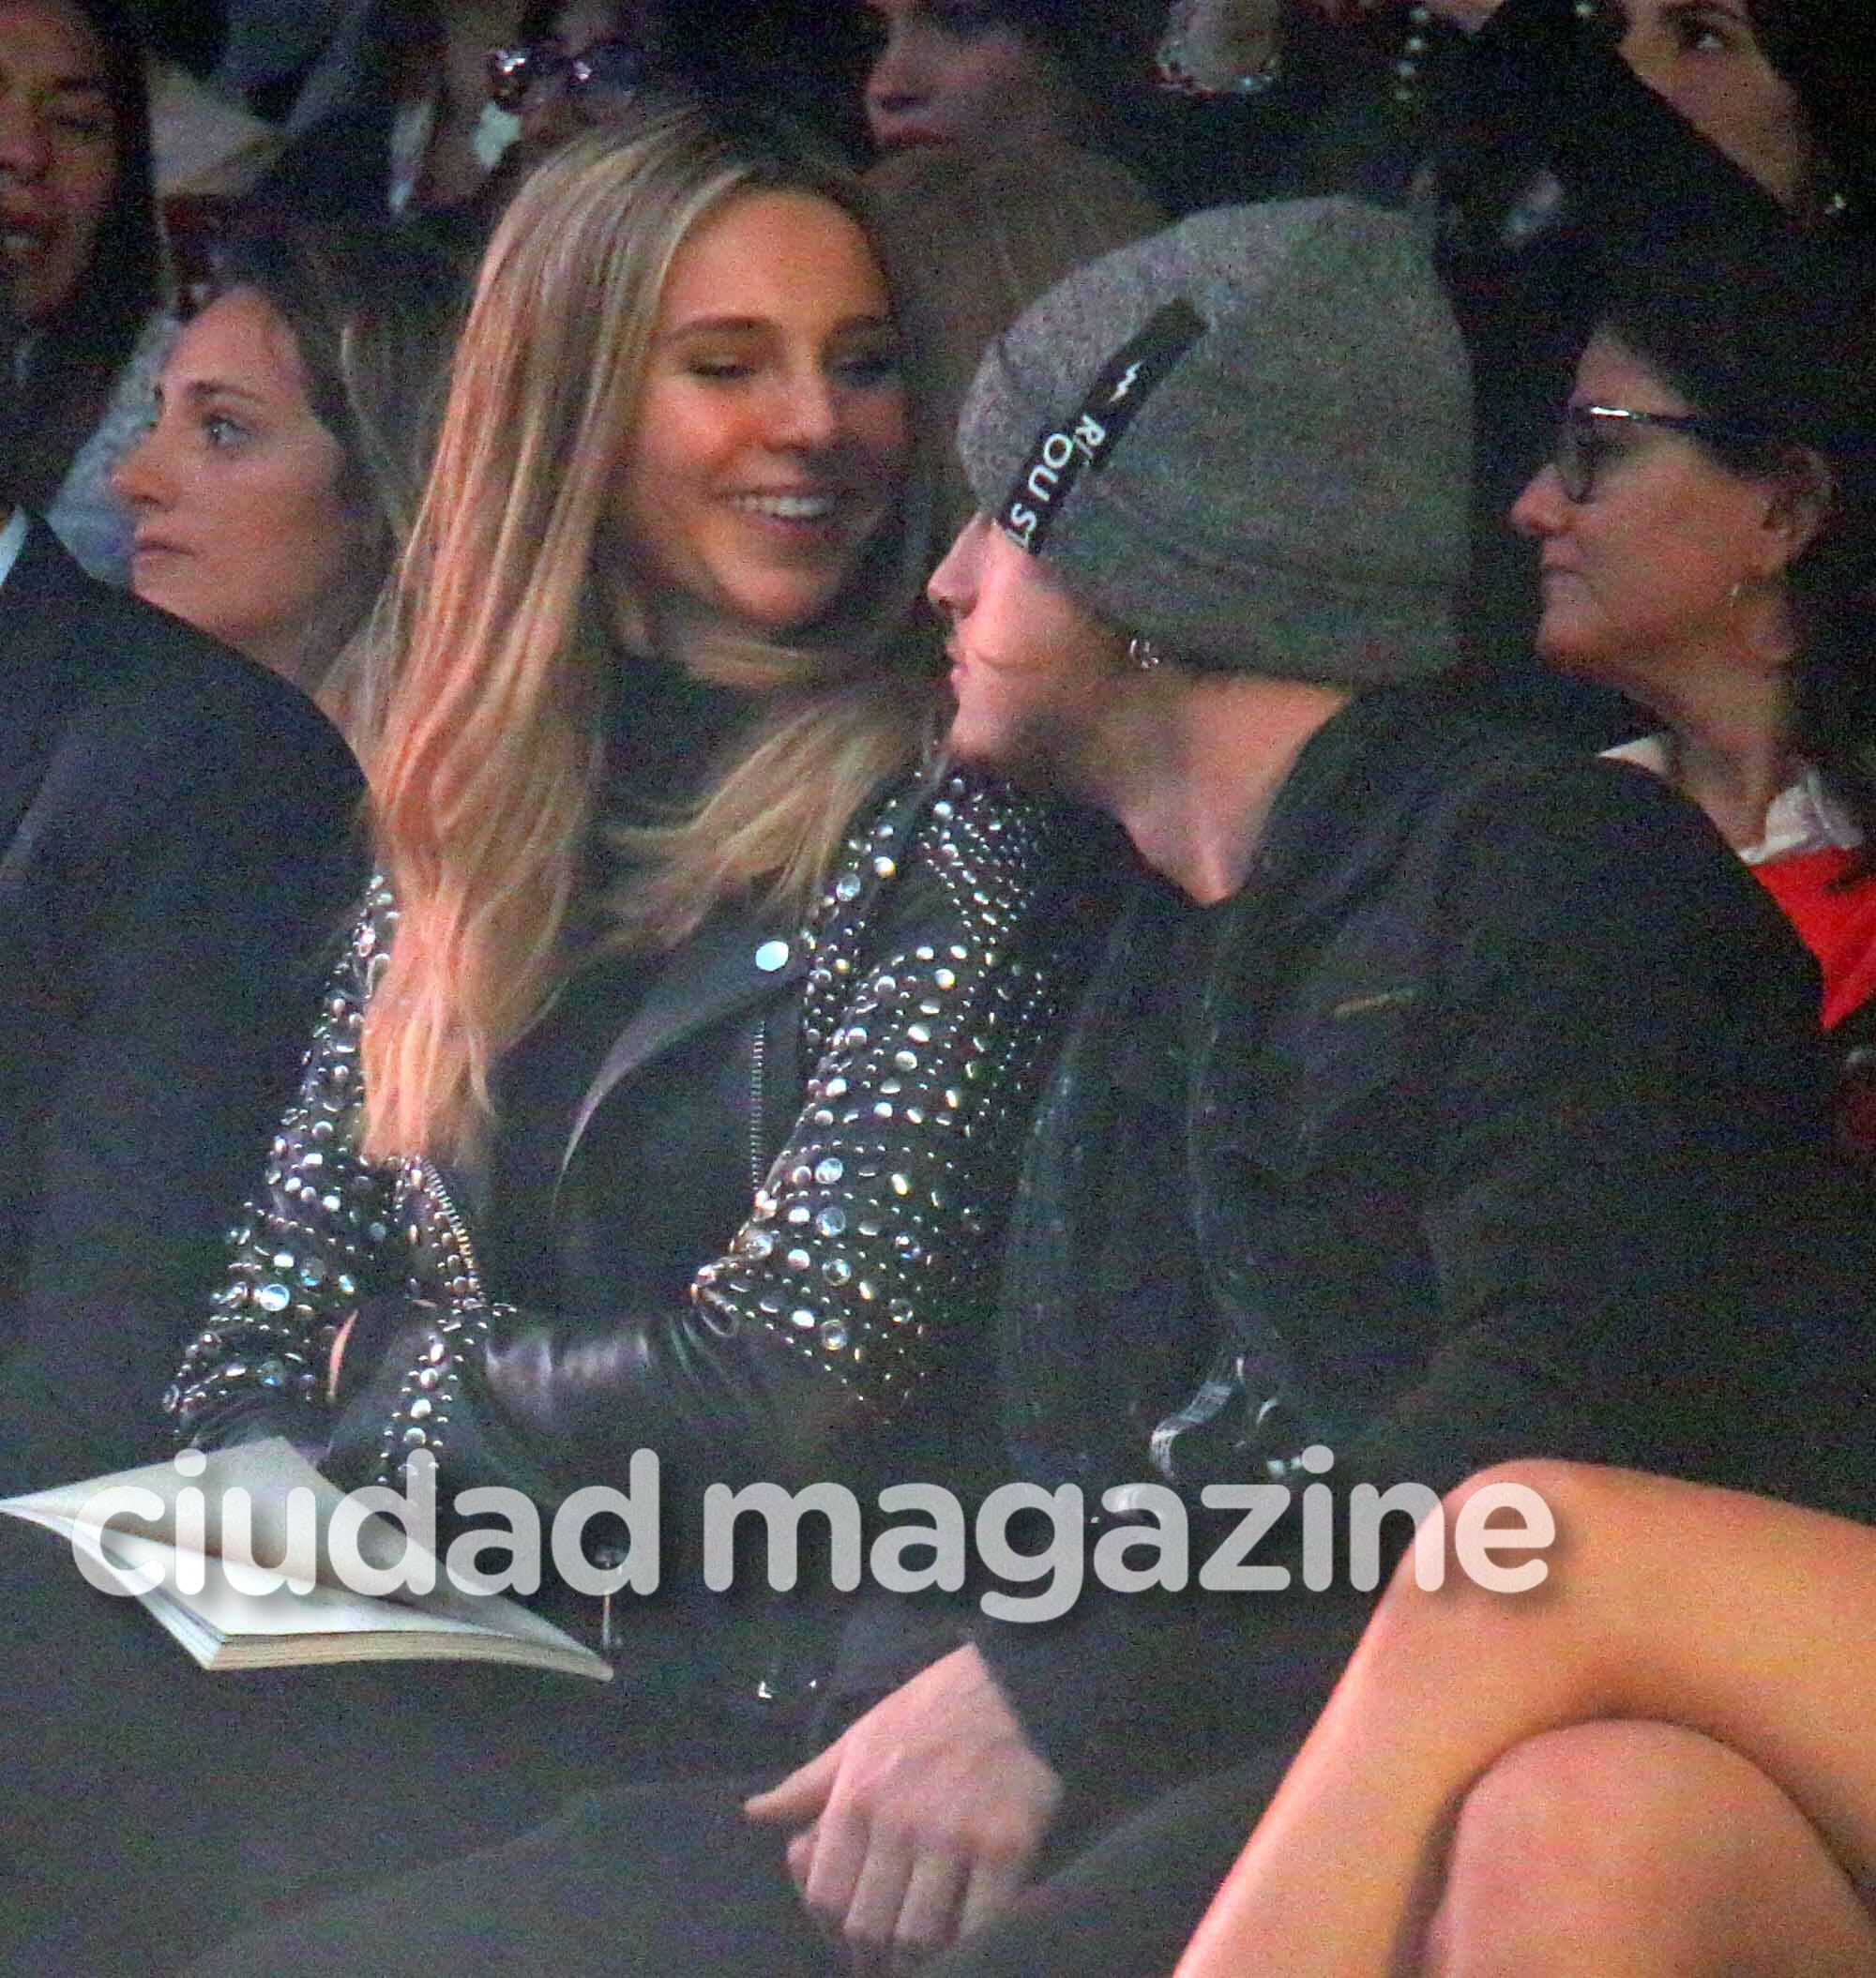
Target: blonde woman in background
(972, 235)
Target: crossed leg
(1671, 1607)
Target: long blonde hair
(481, 721)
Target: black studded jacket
(889, 1047)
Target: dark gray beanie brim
(1290, 496)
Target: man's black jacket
(1488, 1120)
(176, 863)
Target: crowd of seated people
(936, 857)
(1709, 523)
(647, 702)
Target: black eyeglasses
(605, 69)
(1586, 439)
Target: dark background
(814, 51)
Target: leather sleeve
(932, 1001)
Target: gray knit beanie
(1247, 438)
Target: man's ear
(1804, 491)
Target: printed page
(128, 1526)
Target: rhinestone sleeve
(306, 1247)
(926, 1024)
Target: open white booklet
(138, 1532)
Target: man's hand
(920, 1820)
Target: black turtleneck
(666, 733)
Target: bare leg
(1734, 1616)
(1641, 1850)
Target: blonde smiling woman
(668, 1092)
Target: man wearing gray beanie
(1398, 1133)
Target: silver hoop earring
(1144, 654)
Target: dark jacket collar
(46, 662)
(1337, 817)
(736, 959)
(45, 572)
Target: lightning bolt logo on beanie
(1063, 453)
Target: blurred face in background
(1704, 56)
(58, 151)
(956, 71)
(563, 100)
(242, 527)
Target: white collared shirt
(12, 540)
(1803, 817)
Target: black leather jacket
(920, 999)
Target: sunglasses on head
(1588, 435)
(611, 68)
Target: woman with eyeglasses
(1566, 130)
(587, 63)
(1707, 545)
(669, 1092)
(576, 65)
(1661, 1762)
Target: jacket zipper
(758, 1053)
(602, 1631)
(428, 1175)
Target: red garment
(1838, 928)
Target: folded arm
(868, 1249)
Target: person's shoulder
(963, 816)
(997, 856)
(162, 691)
(1588, 852)
(183, 678)
(1511, 822)
(1443, 751)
